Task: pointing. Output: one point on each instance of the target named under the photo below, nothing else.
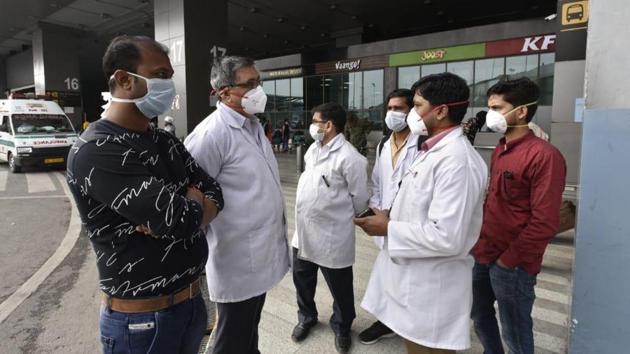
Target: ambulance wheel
(12, 166)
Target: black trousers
(340, 285)
(237, 326)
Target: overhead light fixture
(286, 41)
(354, 17)
(303, 27)
(253, 10)
(440, 13)
(323, 34)
(242, 28)
(551, 17)
(332, 6)
(280, 19)
(427, 2)
(266, 35)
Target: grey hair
(224, 70)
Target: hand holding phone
(365, 213)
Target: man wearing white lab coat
(394, 155)
(421, 285)
(248, 249)
(331, 191)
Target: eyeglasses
(318, 121)
(250, 84)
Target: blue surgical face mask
(160, 94)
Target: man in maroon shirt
(521, 215)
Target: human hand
(195, 194)
(375, 225)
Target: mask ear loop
(523, 105)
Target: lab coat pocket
(397, 283)
(316, 240)
(260, 247)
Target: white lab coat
(247, 241)
(421, 284)
(324, 232)
(386, 178)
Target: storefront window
(465, 70)
(407, 76)
(522, 66)
(487, 73)
(545, 78)
(283, 94)
(270, 89)
(285, 100)
(355, 85)
(432, 69)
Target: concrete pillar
(568, 86)
(3, 77)
(56, 67)
(600, 310)
(194, 30)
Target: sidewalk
(279, 314)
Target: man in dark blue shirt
(144, 202)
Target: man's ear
(224, 94)
(521, 113)
(442, 112)
(123, 80)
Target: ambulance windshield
(41, 124)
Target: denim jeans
(178, 329)
(514, 292)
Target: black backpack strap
(380, 145)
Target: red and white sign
(526, 45)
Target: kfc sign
(538, 43)
(526, 45)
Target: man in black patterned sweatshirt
(144, 202)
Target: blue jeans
(178, 329)
(514, 292)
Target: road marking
(33, 197)
(3, 180)
(72, 234)
(40, 182)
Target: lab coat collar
(454, 134)
(334, 144)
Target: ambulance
(34, 133)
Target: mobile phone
(365, 213)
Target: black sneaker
(301, 331)
(343, 344)
(375, 332)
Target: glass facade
(483, 73)
(360, 93)
(285, 100)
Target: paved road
(61, 316)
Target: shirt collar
(432, 141)
(233, 116)
(514, 143)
